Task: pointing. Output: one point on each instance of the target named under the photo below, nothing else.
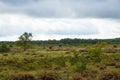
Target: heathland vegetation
(66, 59)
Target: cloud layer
(63, 8)
(44, 28)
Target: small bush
(80, 67)
(96, 53)
(60, 45)
(75, 57)
(114, 46)
(117, 56)
(4, 48)
(50, 47)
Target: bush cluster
(4, 47)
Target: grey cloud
(75, 30)
(11, 25)
(14, 25)
(17, 2)
(63, 8)
(13, 30)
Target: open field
(59, 39)
(91, 62)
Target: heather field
(99, 61)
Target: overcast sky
(56, 19)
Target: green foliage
(83, 60)
(4, 47)
(35, 64)
(75, 57)
(68, 64)
(75, 54)
(60, 45)
(75, 42)
(114, 46)
(50, 47)
(82, 64)
(117, 56)
(24, 41)
(80, 67)
(31, 66)
(96, 53)
(61, 60)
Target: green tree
(24, 41)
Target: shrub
(114, 46)
(117, 56)
(50, 47)
(75, 57)
(60, 45)
(96, 53)
(4, 47)
(82, 65)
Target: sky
(58, 19)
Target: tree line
(77, 41)
(26, 37)
(25, 42)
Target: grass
(58, 63)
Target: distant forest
(68, 41)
